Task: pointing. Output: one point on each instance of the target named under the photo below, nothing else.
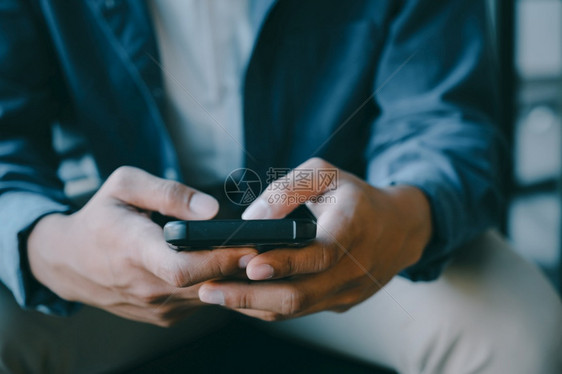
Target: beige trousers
(490, 312)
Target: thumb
(140, 189)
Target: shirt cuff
(449, 218)
(21, 211)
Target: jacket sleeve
(436, 89)
(29, 186)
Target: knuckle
(223, 265)
(120, 177)
(319, 162)
(130, 257)
(290, 265)
(245, 301)
(180, 277)
(148, 294)
(172, 194)
(329, 257)
(162, 318)
(148, 297)
(292, 302)
(272, 317)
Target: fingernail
(244, 260)
(258, 210)
(261, 272)
(212, 297)
(203, 204)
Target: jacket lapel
(131, 27)
(131, 33)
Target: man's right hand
(112, 256)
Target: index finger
(297, 187)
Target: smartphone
(264, 234)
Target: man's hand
(112, 256)
(365, 237)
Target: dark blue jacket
(395, 91)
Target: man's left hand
(365, 236)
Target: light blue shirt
(205, 46)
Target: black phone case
(262, 234)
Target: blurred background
(528, 36)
